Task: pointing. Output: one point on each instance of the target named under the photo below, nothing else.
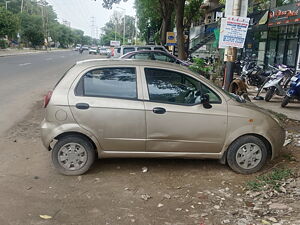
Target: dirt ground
(118, 192)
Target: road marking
(24, 64)
(62, 56)
(49, 58)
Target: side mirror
(205, 101)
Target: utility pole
(135, 27)
(124, 31)
(231, 52)
(22, 4)
(6, 2)
(92, 26)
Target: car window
(162, 57)
(213, 97)
(146, 56)
(143, 48)
(177, 88)
(109, 82)
(118, 50)
(126, 50)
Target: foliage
(114, 28)
(9, 23)
(3, 44)
(271, 180)
(38, 21)
(192, 12)
(32, 29)
(149, 17)
(199, 66)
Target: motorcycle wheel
(285, 101)
(269, 94)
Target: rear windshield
(126, 50)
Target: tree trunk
(180, 28)
(166, 8)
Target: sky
(80, 12)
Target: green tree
(148, 17)
(32, 29)
(9, 23)
(179, 8)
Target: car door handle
(82, 106)
(159, 110)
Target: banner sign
(284, 15)
(171, 39)
(233, 31)
(115, 43)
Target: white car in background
(104, 51)
(93, 50)
(77, 47)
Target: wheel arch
(262, 138)
(62, 135)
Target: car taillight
(47, 98)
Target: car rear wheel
(73, 155)
(247, 154)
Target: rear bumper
(46, 136)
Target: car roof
(130, 62)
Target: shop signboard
(285, 15)
(233, 31)
(171, 39)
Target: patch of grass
(270, 180)
(289, 157)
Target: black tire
(269, 94)
(235, 147)
(89, 153)
(285, 101)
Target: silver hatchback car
(131, 108)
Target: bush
(200, 67)
(3, 44)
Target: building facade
(273, 36)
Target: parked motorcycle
(251, 74)
(277, 83)
(293, 92)
(254, 74)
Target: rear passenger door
(105, 101)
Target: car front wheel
(73, 155)
(247, 154)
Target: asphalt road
(25, 79)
